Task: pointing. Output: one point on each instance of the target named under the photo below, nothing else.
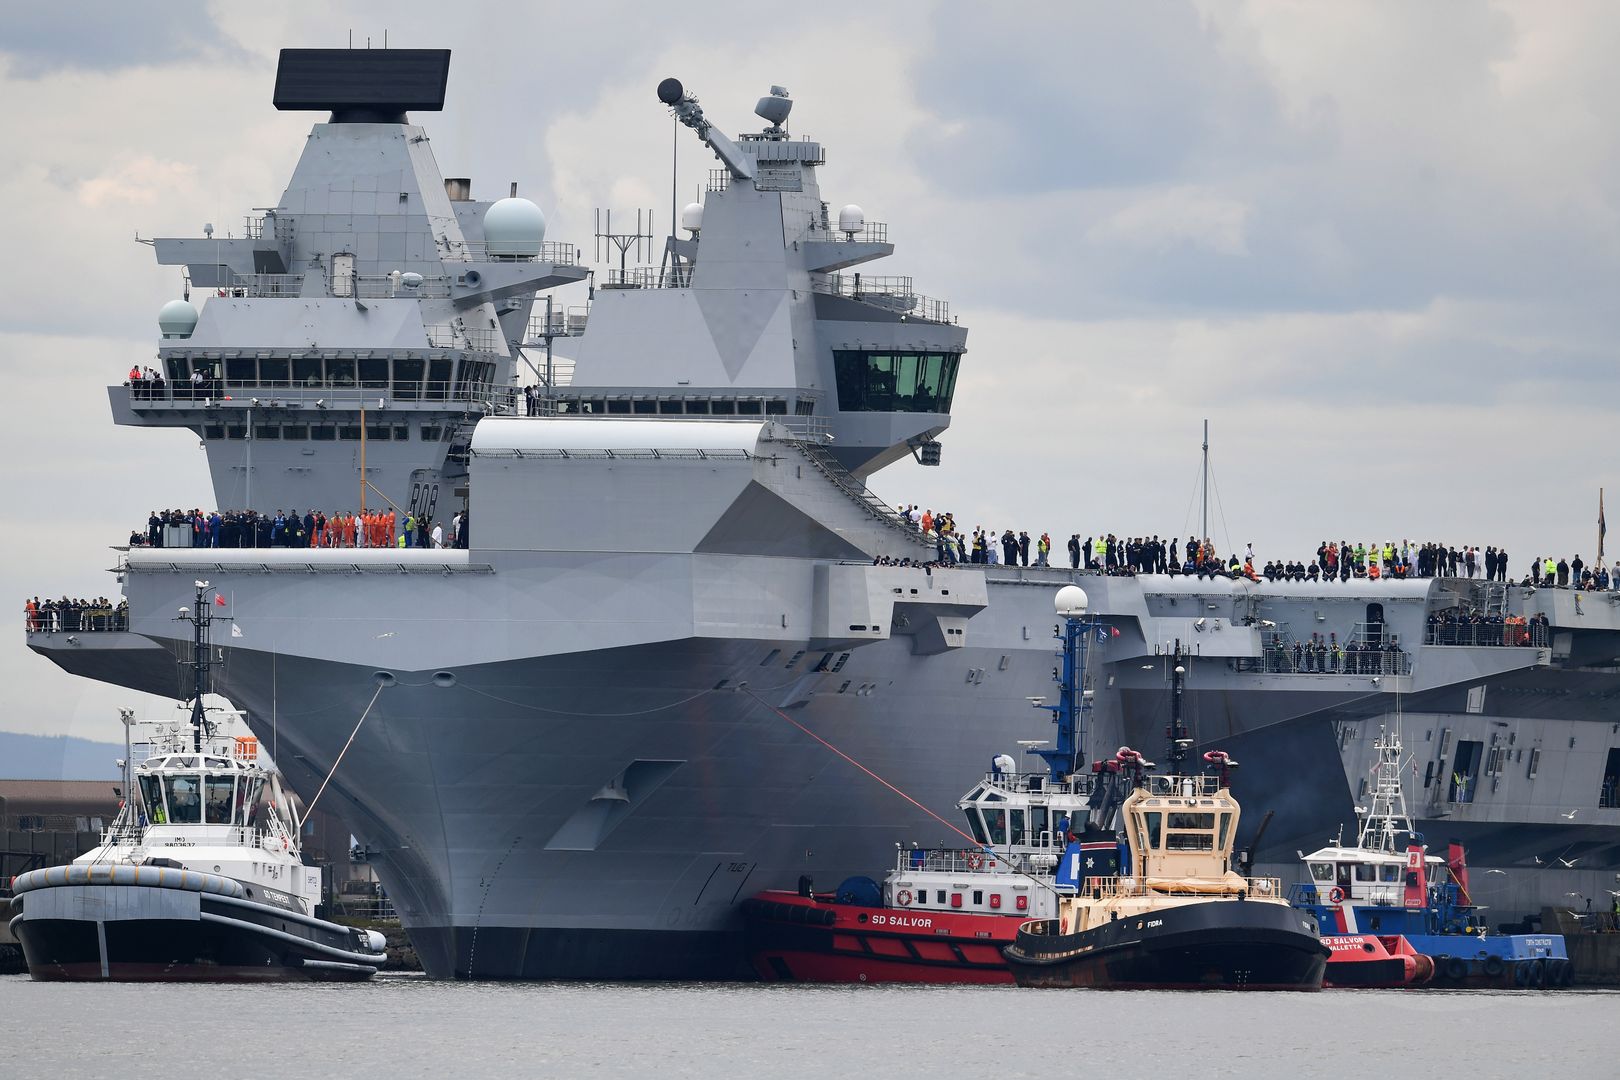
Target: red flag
(219, 601)
(1114, 630)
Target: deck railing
(1502, 634)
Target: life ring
(975, 859)
(1335, 895)
(1494, 966)
(903, 897)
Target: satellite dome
(1071, 601)
(177, 319)
(851, 219)
(692, 217)
(514, 227)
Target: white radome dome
(851, 219)
(177, 319)
(692, 217)
(514, 227)
(1071, 600)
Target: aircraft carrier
(585, 736)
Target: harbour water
(403, 1026)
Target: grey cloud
(106, 35)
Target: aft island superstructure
(577, 759)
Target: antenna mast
(1204, 535)
(607, 240)
(201, 619)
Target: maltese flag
(219, 601)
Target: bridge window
(1322, 871)
(219, 799)
(1366, 872)
(185, 800)
(1154, 821)
(748, 408)
(1389, 873)
(977, 826)
(895, 381)
(997, 822)
(306, 371)
(274, 371)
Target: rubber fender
(1538, 974)
(1423, 968)
(1494, 966)
(1521, 973)
(1456, 968)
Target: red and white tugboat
(943, 915)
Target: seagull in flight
(1537, 859)
(1496, 871)
(1571, 814)
(1569, 862)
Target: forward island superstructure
(585, 736)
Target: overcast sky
(1375, 244)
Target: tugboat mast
(201, 619)
(1177, 731)
(1074, 700)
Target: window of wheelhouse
(996, 822)
(1190, 832)
(1017, 834)
(185, 799)
(152, 796)
(1038, 821)
(976, 826)
(1155, 822)
(217, 797)
(1322, 871)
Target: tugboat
(1403, 917)
(943, 915)
(1173, 914)
(199, 878)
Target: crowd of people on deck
(148, 384)
(1334, 560)
(69, 615)
(1323, 654)
(1472, 626)
(313, 529)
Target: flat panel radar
(362, 85)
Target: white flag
(236, 631)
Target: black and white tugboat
(1175, 916)
(200, 876)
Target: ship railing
(556, 253)
(1113, 888)
(331, 394)
(264, 285)
(889, 293)
(1504, 634)
(842, 479)
(648, 277)
(1191, 786)
(369, 908)
(976, 861)
(1276, 660)
(569, 322)
(383, 287)
(451, 336)
(94, 620)
(873, 232)
(1019, 783)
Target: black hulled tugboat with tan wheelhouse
(1173, 915)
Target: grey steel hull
(601, 813)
